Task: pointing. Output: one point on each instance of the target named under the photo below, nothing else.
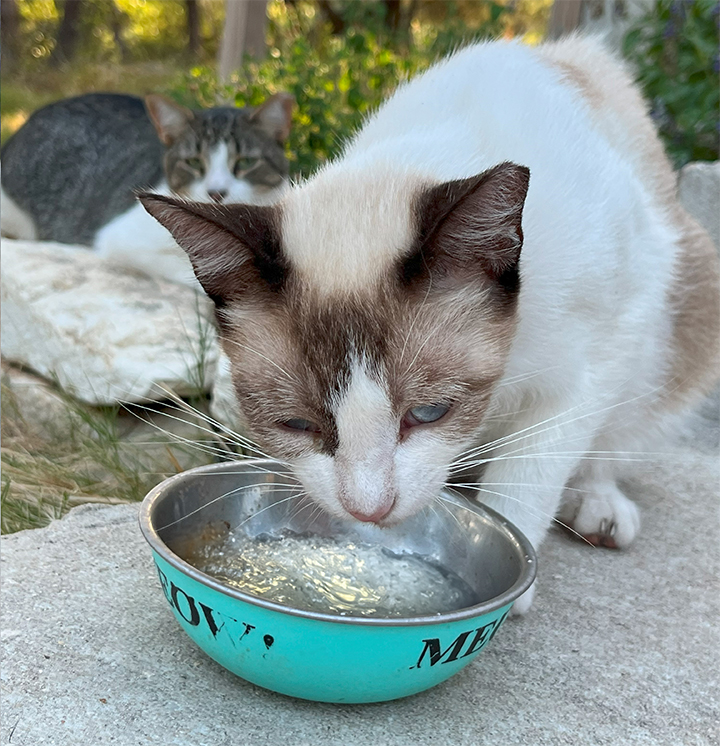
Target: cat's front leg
(526, 473)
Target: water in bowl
(333, 576)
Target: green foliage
(113, 30)
(674, 48)
(337, 80)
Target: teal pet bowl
(325, 657)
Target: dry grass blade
(78, 455)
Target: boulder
(699, 192)
(36, 407)
(104, 334)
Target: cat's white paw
(602, 514)
(523, 604)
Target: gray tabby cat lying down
(70, 174)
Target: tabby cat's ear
(169, 118)
(234, 249)
(275, 116)
(469, 226)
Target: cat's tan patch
(619, 111)
(695, 303)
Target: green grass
(83, 454)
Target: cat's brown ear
(275, 116)
(234, 249)
(471, 224)
(169, 118)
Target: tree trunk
(243, 33)
(392, 15)
(337, 21)
(68, 33)
(9, 31)
(192, 12)
(564, 18)
(117, 23)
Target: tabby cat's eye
(195, 164)
(300, 425)
(424, 414)
(244, 164)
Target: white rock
(36, 406)
(699, 192)
(103, 333)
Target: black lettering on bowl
(433, 647)
(187, 608)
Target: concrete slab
(620, 647)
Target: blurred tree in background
(339, 58)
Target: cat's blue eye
(244, 164)
(299, 425)
(195, 164)
(424, 414)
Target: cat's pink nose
(374, 517)
(218, 195)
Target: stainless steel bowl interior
(260, 497)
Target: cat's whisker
(419, 350)
(415, 318)
(233, 436)
(579, 455)
(590, 455)
(546, 487)
(522, 377)
(315, 509)
(441, 501)
(582, 404)
(267, 507)
(228, 494)
(531, 431)
(288, 375)
(203, 447)
(533, 511)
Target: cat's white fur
(14, 221)
(618, 311)
(591, 351)
(136, 240)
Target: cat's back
(488, 102)
(74, 164)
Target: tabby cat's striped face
(224, 154)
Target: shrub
(336, 80)
(674, 48)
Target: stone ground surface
(620, 647)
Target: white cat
(495, 279)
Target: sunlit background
(338, 57)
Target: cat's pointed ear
(275, 116)
(234, 249)
(469, 225)
(169, 118)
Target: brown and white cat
(494, 279)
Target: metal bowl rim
(522, 545)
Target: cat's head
(223, 154)
(367, 321)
